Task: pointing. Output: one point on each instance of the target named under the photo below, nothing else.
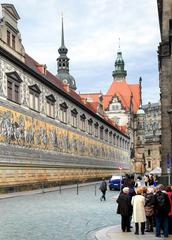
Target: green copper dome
(119, 71)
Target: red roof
(124, 91)
(31, 63)
(91, 97)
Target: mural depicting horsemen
(22, 130)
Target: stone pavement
(46, 190)
(115, 233)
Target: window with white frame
(74, 114)
(106, 134)
(13, 86)
(96, 126)
(110, 137)
(90, 126)
(50, 106)
(34, 94)
(83, 122)
(114, 139)
(101, 132)
(63, 112)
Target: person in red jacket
(169, 192)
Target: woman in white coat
(139, 217)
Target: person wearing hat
(124, 209)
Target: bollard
(60, 188)
(77, 188)
(95, 189)
(43, 187)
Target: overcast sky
(92, 29)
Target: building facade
(121, 102)
(152, 151)
(147, 138)
(123, 105)
(165, 79)
(47, 132)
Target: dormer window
(13, 87)
(34, 93)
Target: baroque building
(48, 133)
(165, 79)
(121, 102)
(123, 105)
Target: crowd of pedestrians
(147, 204)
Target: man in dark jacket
(161, 208)
(103, 189)
(125, 209)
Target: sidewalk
(46, 190)
(115, 233)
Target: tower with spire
(63, 64)
(139, 138)
(119, 73)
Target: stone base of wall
(17, 178)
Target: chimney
(42, 68)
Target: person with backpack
(103, 189)
(149, 209)
(161, 209)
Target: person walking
(162, 209)
(139, 217)
(103, 189)
(124, 209)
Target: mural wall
(19, 129)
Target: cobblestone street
(55, 216)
